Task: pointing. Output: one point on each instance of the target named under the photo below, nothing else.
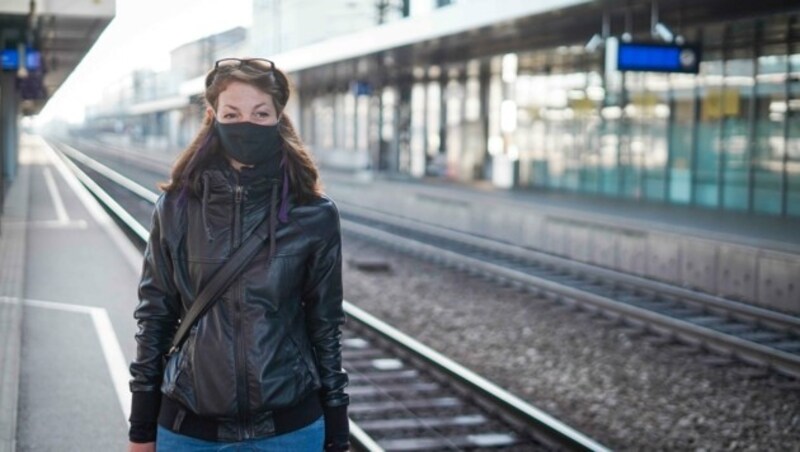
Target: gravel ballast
(628, 389)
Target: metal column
(9, 137)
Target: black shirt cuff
(337, 428)
(144, 416)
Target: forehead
(242, 96)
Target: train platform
(750, 258)
(759, 230)
(69, 278)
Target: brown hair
(303, 173)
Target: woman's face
(241, 102)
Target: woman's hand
(142, 447)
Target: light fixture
(663, 32)
(594, 43)
(598, 39)
(657, 28)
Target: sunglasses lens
(229, 63)
(255, 63)
(259, 63)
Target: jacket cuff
(142, 432)
(337, 428)
(145, 406)
(144, 416)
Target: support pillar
(9, 135)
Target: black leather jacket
(273, 337)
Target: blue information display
(361, 88)
(10, 60)
(658, 57)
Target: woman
(262, 367)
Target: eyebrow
(262, 104)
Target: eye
(262, 114)
(228, 116)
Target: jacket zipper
(241, 354)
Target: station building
(530, 95)
(511, 93)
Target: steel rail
(106, 200)
(524, 413)
(725, 306)
(140, 159)
(362, 441)
(105, 171)
(748, 351)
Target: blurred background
(595, 204)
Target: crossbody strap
(220, 281)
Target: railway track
(404, 396)
(757, 336)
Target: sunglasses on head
(235, 63)
(231, 64)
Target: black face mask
(249, 143)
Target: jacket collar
(220, 178)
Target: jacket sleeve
(323, 297)
(157, 315)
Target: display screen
(10, 60)
(658, 57)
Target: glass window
(684, 108)
(374, 129)
(709, 126)
(554, 107)
(611, 133)
(454, 93)
(403, 123)
(737, 96)
(587, 112)
(434, 122)
(388, 137)
(495, 142)
(349, 121)
(473, 149)
(323, 122)
(339, 120)
(362, 124)
(769, 143)
(791, 115)
(643, 154)
(418, 160)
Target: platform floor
(77, 328)
(759, 230)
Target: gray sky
(141, 36)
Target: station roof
(478, 29)
(62, 30)
(452, 20)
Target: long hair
(205, 147)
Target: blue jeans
(308, 438)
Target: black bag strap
(220, 281)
